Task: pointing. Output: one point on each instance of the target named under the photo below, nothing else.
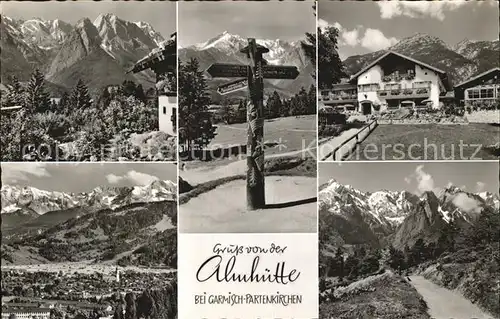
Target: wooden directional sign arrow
(226, 70)
(280, 72)
(232, 86)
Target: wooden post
(255, 119)
(255, 73)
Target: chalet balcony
(338, 97)
(398, 78)
(413, 93)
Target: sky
(160, 14)
(415, 177)
(287, 20)
(83, 177)
(367, 26)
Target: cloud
(114, 179)
(351, 38)
(417, 9)
(480, 186)
(15, 172)
(375, 40)
(407, 180)
(371, 39)
(424, 180)
(466, 203)
(134, 177)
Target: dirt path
(446, 304)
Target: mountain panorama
(26, 200)
(99, 52)
(399, 218)
(461, 61)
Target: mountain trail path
(446, 304)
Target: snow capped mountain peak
(224, 41)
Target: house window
(487, 93)
(164, 110)
(473, 94)
(392, 86)
(422, 84)
(371, 87)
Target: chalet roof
(385, 55)
(479, 77)
(157, 55)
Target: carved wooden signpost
(255, 73)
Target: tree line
(302, 103)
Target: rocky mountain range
(461, 61)
(107, 223)
(225, 48)
(99, 52)
(398, 218)
(21, 205)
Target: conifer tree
(80, 98)
(15, 96)
(273, 105)
(194, 119)
(37, 98)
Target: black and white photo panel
(89, 240)
(408, 80)
(247, 117)
(88, 81)
(247, 154)
(409, 240)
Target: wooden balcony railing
(402, 93)
(337, 97)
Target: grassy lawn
(429, 142)
(291, 132)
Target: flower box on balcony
(408, 92)
(387, 78)
(382, 93)
(395, 92)
(409, 77)
(422, 91)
